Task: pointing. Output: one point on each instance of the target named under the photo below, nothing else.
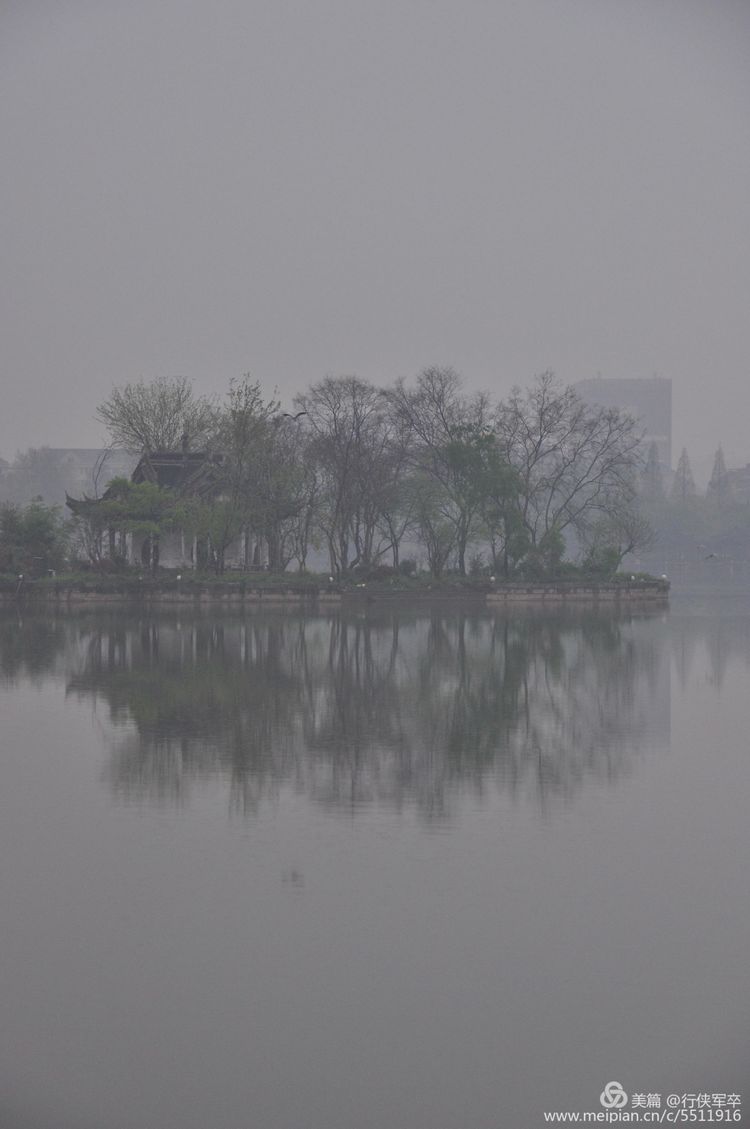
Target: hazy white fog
(302, 187)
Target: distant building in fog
(738, 484)
(649, 399)
(51, 472)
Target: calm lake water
(401, 869)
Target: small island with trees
(359, 490)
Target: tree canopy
(362, 470)
(161, 415)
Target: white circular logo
(613, 1096)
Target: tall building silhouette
(649, 399)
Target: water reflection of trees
(390, 707)
(355, 709)
(705, 645)
(196, 699)
(30, 646)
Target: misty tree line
(654, 485)
(373, 475)
(692, 523)
(362, 472)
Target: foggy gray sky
(301, 187)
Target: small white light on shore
(330, 580)
(179, 576)
(492, 579)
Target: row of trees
(691, 523)
(362, 471)
(682, 487)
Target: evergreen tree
(683, 486)
(652, 481)
(719, 488)
(33, 538)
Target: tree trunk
(274, 551)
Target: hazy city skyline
(295, 190)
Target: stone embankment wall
(63, 594)
(175, 592)
(639, 590)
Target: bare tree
(352, 442)
(623, 530)
(263, 483)
(299, 529)
(282, 488)
(446, 429)
(574, 462)
(258, 481)
(162, 415)
(435, 532)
